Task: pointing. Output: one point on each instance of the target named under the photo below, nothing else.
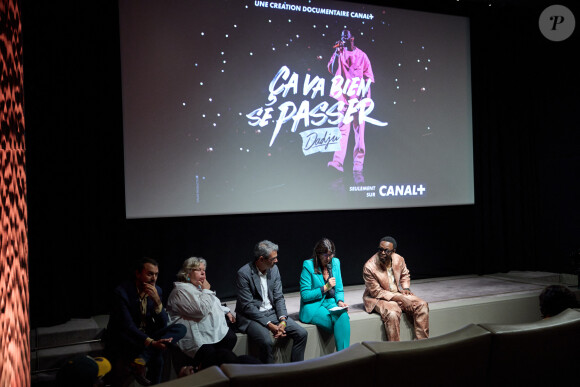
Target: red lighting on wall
(14, 297)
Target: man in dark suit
(137, 333)
(261, 308)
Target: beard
(384, 260)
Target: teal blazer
(311, 296)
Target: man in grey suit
(261, 308)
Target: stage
(454, 302)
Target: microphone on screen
(338, 44)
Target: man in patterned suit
(388, 292)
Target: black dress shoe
(139, 371)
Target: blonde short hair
(188, 265)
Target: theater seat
(209, 377)
(351, 366)
(459, 358)
(541, 352)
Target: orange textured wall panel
(14, 297)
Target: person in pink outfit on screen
(350, 62)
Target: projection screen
(234, 107)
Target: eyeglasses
(381, 250)
(326, 255)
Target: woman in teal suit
(322, 294)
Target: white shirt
(266, 304)
(201, 312)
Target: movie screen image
(234, 107)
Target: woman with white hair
(209, 341)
